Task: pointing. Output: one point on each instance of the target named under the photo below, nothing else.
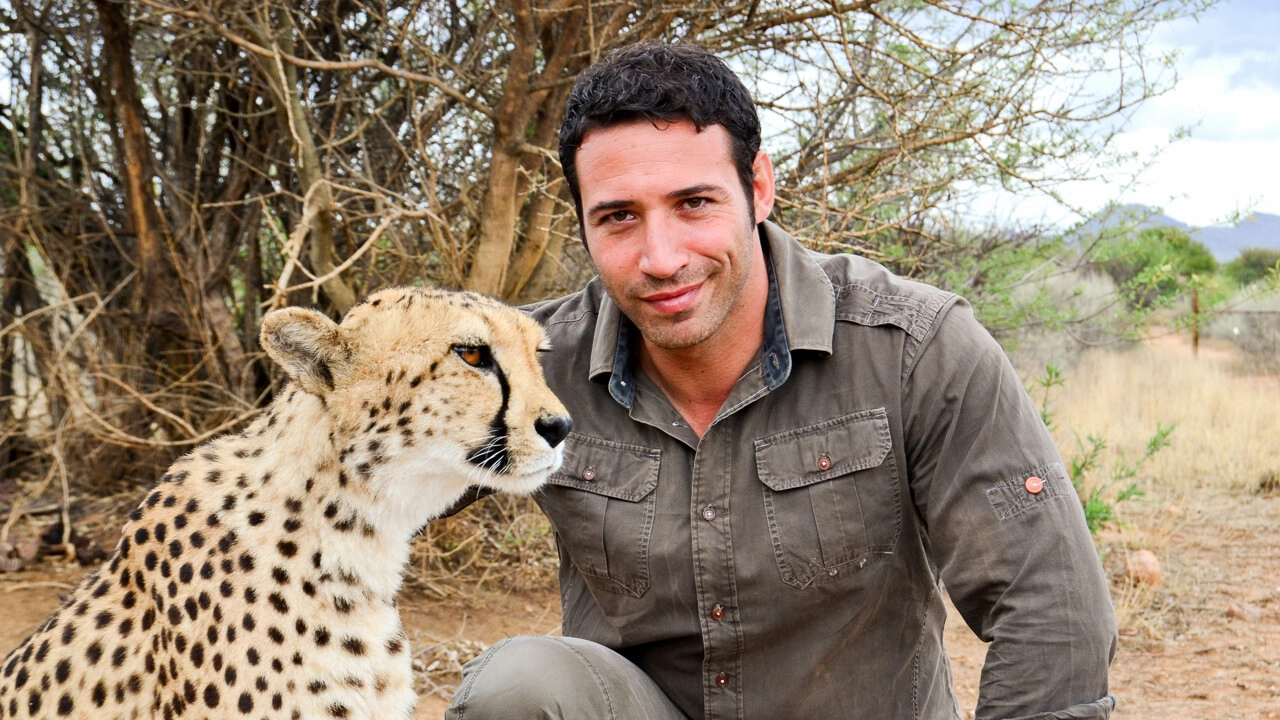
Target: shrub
(1099, 498)
(1252, 265)
(1156, 265)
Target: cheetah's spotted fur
(258, 579)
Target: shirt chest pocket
(831, 496)
(601, 503)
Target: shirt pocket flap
(609, 468)
(829, 449)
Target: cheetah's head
(425, 382)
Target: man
(779, 456)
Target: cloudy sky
(1228, 94)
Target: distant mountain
(1259, 230)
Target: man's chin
(674, 335)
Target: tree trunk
(532, 101)
(162, 299)
(543, 281)
(20, 294)
(498, 221)
(531, 252)
(320, 246)
(21, 298)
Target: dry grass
(1253, 326)
(1081, 294)
(1227, 438)
(1228, 424)
(500, 543)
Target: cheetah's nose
(553, 428)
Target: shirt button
(717, 613)
(588, 473)
(824, 463)
(1034, 485)
(708, 514)
(722, 680)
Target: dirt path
(1207, 644)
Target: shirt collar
(806, 295)
(799, 315)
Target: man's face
(669, 226)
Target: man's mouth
(669, 302)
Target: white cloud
(1199, 181)
(1216, 107)
(1228, 95)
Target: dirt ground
(1204, 644)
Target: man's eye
(695, 203)
(618, 216)
(476, 356)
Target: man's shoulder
(867, 293)
(571, 314)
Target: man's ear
(762, 186)
(308, 345)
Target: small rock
(28, 549)
(1143, 567)
(1244, 611)
(9, 560)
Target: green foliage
(1252, 265)
(1051, 379)
(1099, 499)
(1021, 279)
(1099, 502)
(1155, 266)
(1001, 271)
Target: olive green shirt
(789, 564)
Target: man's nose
(664, 253)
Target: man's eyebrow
(692, 190)
(622, 204)
(608, 206)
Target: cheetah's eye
(476, 356)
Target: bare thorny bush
(173, 169)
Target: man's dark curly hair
(659, 82)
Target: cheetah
(259, 577)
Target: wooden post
(1195, 322)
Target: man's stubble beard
(665, 333)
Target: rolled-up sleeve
(1006, 527)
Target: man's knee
(554, 677)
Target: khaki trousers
(556, 677)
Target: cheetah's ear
(308, 345)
